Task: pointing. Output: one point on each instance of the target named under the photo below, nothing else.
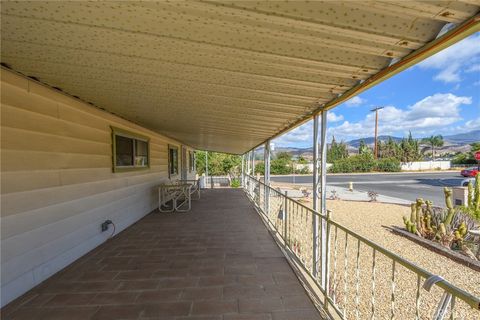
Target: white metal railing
(363, 279)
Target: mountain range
(456, 142)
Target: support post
(206, 169)
(253, 163)
(266, 178)
(242, 177)
(315, 194)
(323, 199)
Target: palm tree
(434, 141)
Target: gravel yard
(353, 291)
(352, 288)
(369, 220)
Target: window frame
(134, 136)
(170, 174)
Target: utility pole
(375, 150)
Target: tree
(302, 160)
(337, 151)
(284, 155)
(363, 148)
(467, 157)
(389, 149)
(434, 141)
(409, 150)
(219, 163)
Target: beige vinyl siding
(57, 183)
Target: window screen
(130, 151)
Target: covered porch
(216, 262)
(102, 102)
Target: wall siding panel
(57, 181)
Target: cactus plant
(470, 195)
(473, 207)
(476, 201)
(447, 226)
(418, 214)
(450, 209)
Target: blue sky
(441, 95)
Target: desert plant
(473, 206)
(373, 196)
(334, 195)
(448, 227)
(448, 203)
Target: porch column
(315, 192)
(266, 179)
(319, 196)
(206, 169)
(253, 162)
(243, 171)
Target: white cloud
(425, 117)
(474, 68)
(355, 101)
(473, 124)
(304, 133)
(332, 117)
(433, 114)
(451, 62)
(300, 136)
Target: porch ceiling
(221, 76)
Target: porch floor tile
(216, 262)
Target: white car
(465, 182)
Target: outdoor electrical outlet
(105, 225)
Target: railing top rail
(470, 299)
(291, 199)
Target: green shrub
(235, 183)
(388, 165)
(365, 163)
(358, 163)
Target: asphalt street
(408, 186)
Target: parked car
(465, 182)
(470, 172)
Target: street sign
(477, 155)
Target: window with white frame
(130, 151)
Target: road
(408, 186)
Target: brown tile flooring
(216, 262)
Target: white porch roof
(224, 76)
